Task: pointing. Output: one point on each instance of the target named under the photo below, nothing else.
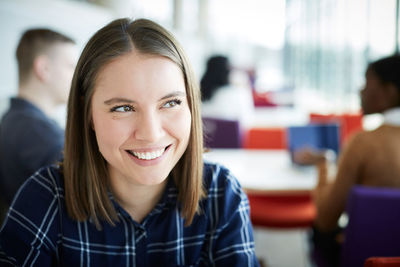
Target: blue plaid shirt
(39, 232)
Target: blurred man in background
(29, 137)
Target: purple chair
(373, 229)
(220, 133)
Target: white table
(265, 170)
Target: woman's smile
(149, 155)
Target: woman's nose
(149, 127)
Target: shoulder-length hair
(84, 168)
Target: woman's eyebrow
(115, 100)
(173, 94)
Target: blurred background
(305, 55)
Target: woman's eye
(123, 108)
(172, 103)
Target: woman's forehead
(141, 74)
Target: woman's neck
(137, 200)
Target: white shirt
(392, 117)
(232, 103)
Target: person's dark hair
(215, 76)
(387, 70)
(33, 43)
(85, 170)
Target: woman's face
(141, 117)
(373, 96)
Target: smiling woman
(133, 189)
(144, 133)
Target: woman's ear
(393, 94)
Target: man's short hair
(33, 43)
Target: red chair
(281, 210)
(350, 123)
(277, 209)
(265, 138)
(382, 262)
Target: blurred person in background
(132, 189)
(369, 158)
(224, 93)
(29, 137)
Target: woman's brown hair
(84, 168)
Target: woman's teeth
(148, 155)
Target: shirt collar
(168, 199)
(392, 116)
(170, 194)
(21, 103)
